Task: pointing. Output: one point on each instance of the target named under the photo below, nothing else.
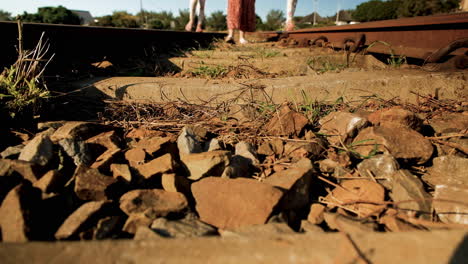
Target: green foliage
(182, 19)
(274, 21)
(216, 21)
(376, 10)
(207, 71)
(322, 64)
(5, 16)
(52, 15)
(394, 60)
(155, 20)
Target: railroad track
(78, 44)
(428, 38)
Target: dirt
(254, 141)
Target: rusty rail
(428, 38)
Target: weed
(266, 53)
(395, 60)
(20, 85)
(314, 110)
(351, 148)
(322, 64)
(207, 71)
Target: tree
(411, 8)
(5, 16)
(274, 20)
(182, 19)
(118, 19)
(217, 21)
(376, 10)
(155, 20)
(52, 15)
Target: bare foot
(230, 40)
(243, 41)
(290, 26)
(189, 26)
(199, 28)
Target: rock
(205, 164)
(340, 127)
(347, 224)
(447, 170)
(105, 159)
(77, 131)
(310, 229)
(296, 184)
(52, 182)
(163, 164)
(109, 227)
(316, 213)
(121, 171)
(175, 183)
(135, 221)
(152, 202)
(231, 203)
(145, 233)
(38, 151)
(450, 203)
(449, 123)
(17, 213)
(77, 150)
(304, 164)
(265, 149)
(108, 140)
(270, 231)
(238, 167)
(394, 224)
(190, 140)
(298, 150)
(135, 156)
(287, 122)
(396, 117)
(142, 132)
(90, 184)
(27, 170)
(271, 147)
(328, 165)
(407, 187)
(78, 220)
(247, 151)
(156, 145)
(380, 166)
(212, 145)
(8, 179)
(12, 152)
(50, 124)
(189, 226)
(400, 142)
(359, 190)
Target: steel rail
(418, 37)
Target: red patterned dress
(241, 15)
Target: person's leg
(291, 9)
(193, 6)
(201, 15)
(230, 36)
(242, 39)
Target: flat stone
(142, 132)
(135, 156)
(296, 183)
(287, 122)
(163, 164)
(190, 140)
(380, 166)
(270, 230)
(447, 170)
(239, 166)
(146, 233)
(109, 227)
(299, 150)
(212, 145)
(90, 184)
(50, 124)
(407, 187)
(455, 211)
(17, 213)
(341, 126)
(109, 140)
(189, 226)
(105, 159)
(316, 213)
(396, 117)
(77, 220)
(231, 203)
(52, 182)
(29, 171)
(246, 150)
(121, 171)
(449, 123)
(347, 224)
(77, 130)
(205, 164)
(175, 183)
(38, 151)
(135, 221)
(402, 143)
(152, 202)
(76, 150)
(310, 229)
(12, 152)
(154, 145)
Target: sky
(106, 7)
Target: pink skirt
(241, 15)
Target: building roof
(85, 16)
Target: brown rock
(121, 171)
(189, 226)
(395, 117)
(163, 164)
(380, 166)
(455, 211)
(447, 170)
(135, 221)
(146, 233)
(175, 183)
(347, 224)
(270, 230)
(90, 184)
(141, 133)
(296, 184)
(205, 164)
(407, 187)
(298, 150)
(52, 182)
(316, 213)
(27, 170)
(394, 224)
(449, 123)
(402, 143)
(152, 202)
(109, 140)
(153, 145)
(38, 150)
(108, 227)
(135, 156)
(231, 203)
(310, 229)
(77, 220)
(341, 126)
(77, 130)
(287, 122)
(360, 190)
(17, 213)
(105, 159)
